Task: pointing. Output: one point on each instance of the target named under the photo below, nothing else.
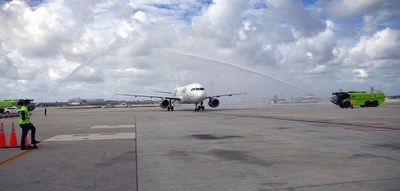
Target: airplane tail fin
(176, 79)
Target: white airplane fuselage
(190, 94)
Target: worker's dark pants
(25, 129)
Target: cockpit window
(197, 89)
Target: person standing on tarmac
(26, 125)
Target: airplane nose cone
(200, 96)
(203, 95)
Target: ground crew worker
(26, 125)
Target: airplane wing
(164, 92)
(151, 96)
(222, 95)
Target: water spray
(89, 60)
(240, 68)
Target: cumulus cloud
(53, 49)
(312, 50)
(344, 9)
(318, 69)
(383, 44)
(360, 73)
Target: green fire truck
(357, 98)
(14, 103)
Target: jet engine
(213, 102)
(164, 103)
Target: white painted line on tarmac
(111, 126)
(92, 137)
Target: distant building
(75, 101)
(93, 101)
(79, 101)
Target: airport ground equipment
(16, 103)
(357, 98)
(7, 103)
(11, 112)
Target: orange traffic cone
(3, 142)
(13, 137)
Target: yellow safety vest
(27, 117)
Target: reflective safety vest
(27, 117)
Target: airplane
(194, 93)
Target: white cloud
(382, 45)
(59, 48)
(318, 69)
(220, 22)
(344, 9)
(360, 73)
(141, 17)
(54, 75)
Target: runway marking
(335, 124)
(92, 137)
(17, 156)
(111, 126)
(367, 129)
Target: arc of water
(89, 60)
(240, 68)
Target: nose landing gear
(198, 108)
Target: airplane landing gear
(170, 107)
(200, 107)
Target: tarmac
(275, 147)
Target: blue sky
(62, 49)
